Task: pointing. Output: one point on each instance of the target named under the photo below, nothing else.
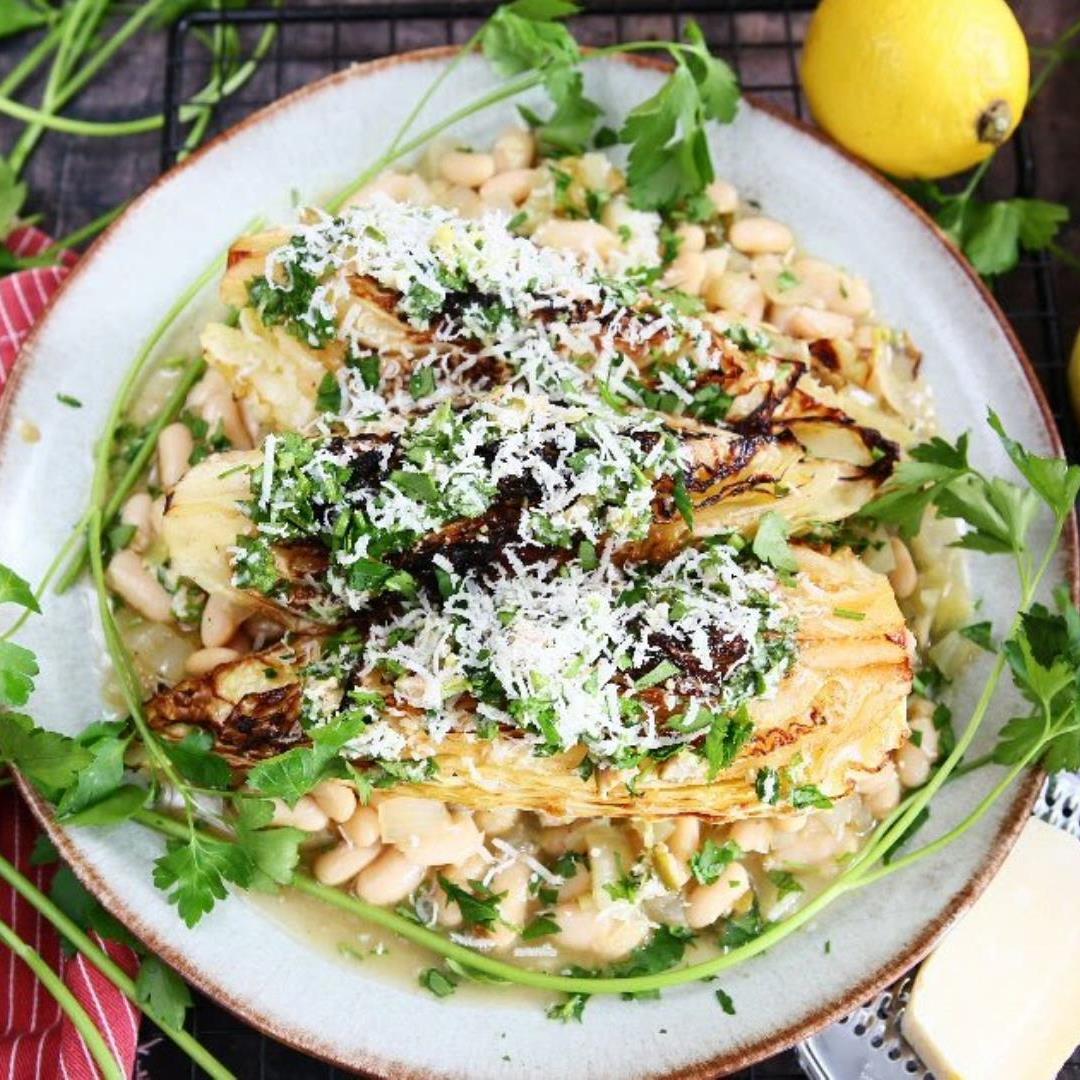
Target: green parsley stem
(539, 980)
(30, 62)
(193, 371)
(67, 1001)
(432, 90)
(44, 119)
(130, 684)
(493, 97)
(927, 792)
(1056, 55)
(131, 380)
(109, 968)
(85, 232)
(50, 572)
(973, 818)
(198, 109)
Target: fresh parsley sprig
(993, 233)
(669, 159)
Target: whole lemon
(918, 88)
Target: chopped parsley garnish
(725, 1001)
(297, 301)
(440, 983)
(69, 401)
(767, 785)
(712, 859)
(847, 613)
(808, 795)
(541, 926)
(479, 906)
(785, 882)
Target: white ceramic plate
(314, 142)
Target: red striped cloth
(37, 1041)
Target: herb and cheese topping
(533, 316)
(624, 661)
(561, 477)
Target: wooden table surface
(73, 180)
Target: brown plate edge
(741, 1057)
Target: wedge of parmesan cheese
(1000, 997)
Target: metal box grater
(867, 1045)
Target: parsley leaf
(992, 234)
(294, 773)
(527, 35)
(981, 634)
(328, 395)
(1044, 657)
(726, 737)
(708, 863)
(1054, 479)
(45, 757)
(17, 16)
(440, 983)
(195, 760)
(739, 929)
(14, 590)
(195, 874)
(767, 785)
(770, 542)
(274, 852)
(69, 894)
(785, 882)
(541, 926)
(103, 774)
(569, 1009)
(809, 795)
(669, 158)
(480, 907)
(18, 666)
(161, 990)
(569, 128)
(725, 1001)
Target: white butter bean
(203, 660)
(686, 273)
(588, 238)
(336, 799)
(221, 618)
(137, 513)
(507, 190)
(306, 815)
(723, 196)
(753, 834)
(362, 829)
(811, 324)
(466, 169)
(707, 903)
(389, 879)
(685, 838)
(903, 577)
(515, 148)
(607, 935)
(174, 448)
(760, 235)
(912, 765)
(735, 292)
(343, 862)
(131, 579)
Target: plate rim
(738, 1057)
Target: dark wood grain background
(72, 180)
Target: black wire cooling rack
(761, 40)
